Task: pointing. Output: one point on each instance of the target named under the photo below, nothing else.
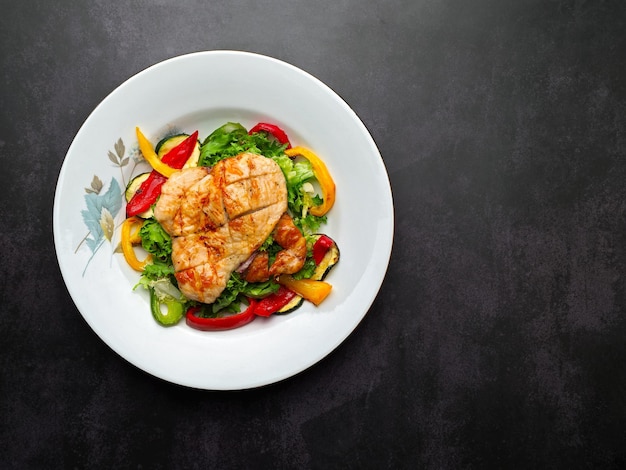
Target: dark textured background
(498, 339)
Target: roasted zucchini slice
(293, 304)
(331, 258)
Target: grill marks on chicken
(218, 218)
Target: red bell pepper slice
(274, 302)
(321, 247)
(145, 196)
(178, 156)
(221, 323)
(272, 129)
(150, 189)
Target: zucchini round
(132, 188)
(331, 258)
(168, 143)
(292, 305)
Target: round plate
(202, 91)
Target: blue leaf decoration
(111, 200)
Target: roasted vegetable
(129, 239)
(133, 187)
(168, 143)
(311, 290)
(195, 319)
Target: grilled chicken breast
(218, 217)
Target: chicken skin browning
(289, 260)
(218, 218)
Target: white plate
(202, 91)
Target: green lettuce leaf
(237, 289)
(156, 240)
(232, 139)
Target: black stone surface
(498, 339)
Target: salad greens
(167, 303)
(156, 241)
(231, 139)
(299, 199)
(238, 289)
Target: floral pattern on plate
(103, 206)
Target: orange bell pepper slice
(322, 174)
(313, 291)
(130, 238)
(151, 157)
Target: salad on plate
(228, 228)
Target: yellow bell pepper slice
(313, 291)
(322, 174)
(151, 157)
(130, 238)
